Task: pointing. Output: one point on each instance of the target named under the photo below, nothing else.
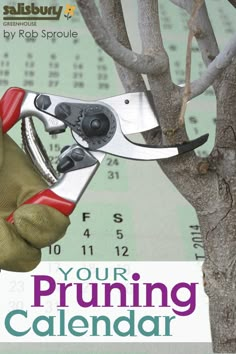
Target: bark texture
(209, 184)
(217, 220)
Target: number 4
(87, 233)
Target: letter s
(6, 10)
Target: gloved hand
(35, 226)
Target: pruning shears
(97, 127)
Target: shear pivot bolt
(62, 110)
(43, 102)
(95, 124)
(77, 154)
(65, 164)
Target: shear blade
(193, 144)
(135, 111)
(120, 146)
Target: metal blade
(120, 146)
(135, 111)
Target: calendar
(125, 213)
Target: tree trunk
(218, 230)
(217, 219)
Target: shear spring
(34, 148)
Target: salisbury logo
(22, 11)
(69, 11)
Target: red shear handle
(48, 197)
(10, 107)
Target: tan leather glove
(35, 226)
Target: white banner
(105, 302)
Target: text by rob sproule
(33, 34)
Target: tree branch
(113, 18)
(183, 171)
(125, 57)
(202, 30)
(187, 91)
(149, 27)
(232, 2)
(161, 86)
(223, 59)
